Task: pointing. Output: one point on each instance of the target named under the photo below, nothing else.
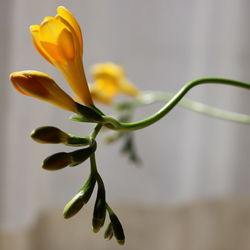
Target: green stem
(150, 97)
(116, 125)
(93, 164)
(96, 173)
(96, 130)
(109, 209)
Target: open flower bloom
(110, 81)
(59, 40)
(43, 87)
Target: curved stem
(150, 97)
(115, 125)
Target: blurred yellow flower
(59, 40)
(110, 81)
(41, 86)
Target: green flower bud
(99, 210)
(117, 228)
(61, 160)
(108, 234)
(88, 188)
(48, 134)
(81, 198)
(57, 161)
(73, 206)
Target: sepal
(88, 113)
(81, 155)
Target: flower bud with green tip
(53, 135)
(117, 229)
(108, 234)
(62, 159)
(73, 206)
(81, 198)
(88, 188)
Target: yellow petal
(67, 15)
(57, 40)
(50, 30)
(66, 44)
(53, 51)
(34, 29)
(47, 18)
(43, 87)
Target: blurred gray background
(195, 173)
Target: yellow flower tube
(43, 87)
(59, 40)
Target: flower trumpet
(43, 87)
(59, 40)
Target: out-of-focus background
(192, 191)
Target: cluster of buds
(59, 40)
(53, 135)
(61, 160)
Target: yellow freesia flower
(109, 81)
(59, 40)
(41, 86)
